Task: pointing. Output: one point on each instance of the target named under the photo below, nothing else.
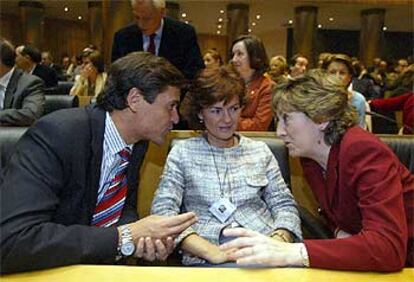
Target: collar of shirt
(5, 79)
(31, 71)
(157, 38)
(112, 139)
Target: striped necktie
(109, 209)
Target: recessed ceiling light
(319, 26)
(331, 19)
(221, 11)
(258, 16)
(253, 24)
(384, 28)
(66, 9)
(218, 32)
(80, 17)
(186, 22)
(249, 30)
(290, 21)
(219, 26)
(184, 15)
(220, 20)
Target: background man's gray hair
(159, 4)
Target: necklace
(217, 170)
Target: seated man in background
(69, 193)
(28, 58)
(21, 94)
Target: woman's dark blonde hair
(319, 96)
(209, 87)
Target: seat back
(8, 140)
(403, 147)
(57, 102)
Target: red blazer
(403, 102)
(257, 113)
(367, 193)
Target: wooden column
(32, 21)
(238, 21)
(95, 34)
(304, 32)
(371, 36)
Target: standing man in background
(160, 35)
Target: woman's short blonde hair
(321, 97)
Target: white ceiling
(203, 14)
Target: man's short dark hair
(32, 52)
(259, 61)
(150, 74)
(7, 53)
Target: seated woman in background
(278, 69)
(227, 179)
(212, 59)
(340, 65)
(365, 193)
(92, 78)
(250, 60)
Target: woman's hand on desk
(253, 248)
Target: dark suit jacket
(178, 45)
(49, 193)
(23, 101)
(48, 75)
(369, 194)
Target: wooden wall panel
(63, 36)
(209, 41)
(10, 28)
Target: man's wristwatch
(126, 245)
(304, 255)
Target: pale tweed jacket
(254, 184)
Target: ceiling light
(219, 26)
(66, 9)
(249, 30)
(290, 21)
(80, 17)
(331, 19)
(384, 28)
(221, 11)
(220, 20)
(218, 32)
(258, 16)
(184, 15)
(253, 24)
(319, 26)
(186, 22)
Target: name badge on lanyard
(222, 209)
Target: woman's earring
(201, 120)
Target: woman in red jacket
(366, 194)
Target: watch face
(128, 249)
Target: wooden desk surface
(193, 274)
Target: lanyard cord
(217, 171)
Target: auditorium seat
(57, 102)
(8, 140)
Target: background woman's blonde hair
(321, 97)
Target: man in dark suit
(173, 40)
(69, 193)
(47, 60)
(21, 94)
(28, 58)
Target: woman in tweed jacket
(227, 179)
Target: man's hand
(161, 227)
(157, 249)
